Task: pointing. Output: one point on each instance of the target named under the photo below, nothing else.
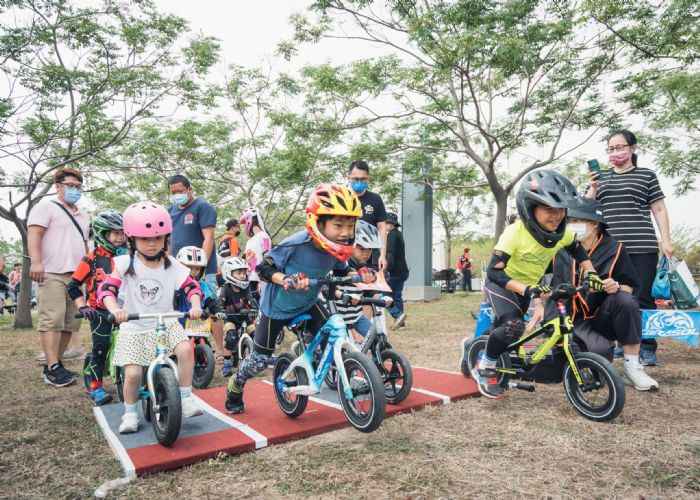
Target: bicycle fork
(160, 360)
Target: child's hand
(537, 316)
(388, 301)
(195, 312)
(368, 275)
(297, 281)
(120, 315)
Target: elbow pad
(498, 276)
(191, 288)
(266, 269)
(74, 289)
(108, 288)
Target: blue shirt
(297, 254)
(188, 223)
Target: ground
(524, 446)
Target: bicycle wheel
(291, 404)
(365, 411)
(473, 350)
(86, 372)
(167, 418)
(332, 377)
(246, 347)
(119, 382)
(145, 402)
(204, 365)
(602, 396)
(397, 376)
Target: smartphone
(594, 167)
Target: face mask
(619, 160)
(237, 233)
(358, 186)
(72, 195)
(179, 199)
(581, 230)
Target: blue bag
(661, 289)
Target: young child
(520, 258)
(195, 260)
(325, 246)
(148, 277)
(366, 239)
(235, 294)
(107, 229)
(258, 244)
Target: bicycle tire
(167, 419)
(365, 380)
(595, 369)
(477, 346)
(119, 382)
(292, 405)
(204, 366)
(87, 379)
(399, 370)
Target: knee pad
(513, 330)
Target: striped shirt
(626, 200)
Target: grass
(527, 445)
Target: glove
(89, 312)
(220, 315)
(366, 271)
(291, 281)
(535, 291)
(387, 300)
(593, 281)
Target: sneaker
(634, 375)
(41, 358)
(648, 358)
(74, 353)
(227, 368)
(100, 397)
(234, 402)
(487, 381)
(57, 377)
(399, 320)
(403, 326)
(618, 354)
(130, 423)
(190, 408)
(71, 373)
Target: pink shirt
(62, 247)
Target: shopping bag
(683, 287)
(661, 289)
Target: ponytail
(132, 254)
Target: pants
(101, 335)
(645, 265)
(509, 309)
(396, 283)
(619, 319)
(466, 279)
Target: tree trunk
(501, 213)
(448, 250)
(23, 315)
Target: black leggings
(509, 309)
(645, 265)
(101, 334)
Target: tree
(491, 79)
(452, 213)
(76, 80)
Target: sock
(631, 359)
(185, 392)
(130, 408)
(94, 384)
(485, 363)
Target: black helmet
(588, 209)
(548, 188)
(105, 222)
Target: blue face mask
(358, 186)
(179, 199)
(72, 195)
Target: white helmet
(231, 265)
(192, 257)
(366, 235)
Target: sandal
(219, 359)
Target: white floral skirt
(140, 348)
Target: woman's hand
(610, 286)
(667, 249)
(195, 312)
(537, 316)
(594, 182)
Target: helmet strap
(155, 257)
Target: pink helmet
(247, 219)
(146, 220)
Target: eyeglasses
(71, 185)
(617, 149)
(359, 179)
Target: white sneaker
(636, 376)
(130, 423)
(190, 408)
(398, 322)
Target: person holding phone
(630, 195)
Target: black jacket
(396, 254)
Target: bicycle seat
(302, 317)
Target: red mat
(262, 424)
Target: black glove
(593, 281)
(291, 281)
(535, 291)
(89, 312)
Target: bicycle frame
(161, 358)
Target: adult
(194, 223)
(228, 243)
(16, 278)
(257, 246)
(373, 210)
(4, 284)
(464, 265)
(397, 268)
(630, 195)
(57, 231)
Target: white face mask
(581, 230)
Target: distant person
(397, 268)
(16, 278)
(228, 243)
(258, 245)
(373, 210)
(4, 284)
(464, 265)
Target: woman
(630, 195)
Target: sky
(250, 31)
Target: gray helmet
(107, 221)
(588, 209)
(366, 235)
(548, 188)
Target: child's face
(240, 274)
(361, 254)
(116, 237)
(549, 218)
(194, 272)
(339, 229)
(150, 246)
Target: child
(325, 246)
(195, 260)
(257, 246)
(109, 238)
(234, 295)
(520, 259)
(366, 239)
(149, 278)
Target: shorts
(140, 348)
(55, 307)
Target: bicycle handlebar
(335, 280)
(137, 316)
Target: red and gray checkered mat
(262, 424)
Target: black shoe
(71, 373)
(58, 377)
(234, 402)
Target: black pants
(466, 279)
(267, 329)
(509, 309)
(645, 265)
(101, 334)
(619, 319)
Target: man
(4, 284)
(397, 268)
(194, 222)
(228, 244)
(16, 278)
(373, 210)
(464, 264)
(57, 232)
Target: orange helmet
(330, 199)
